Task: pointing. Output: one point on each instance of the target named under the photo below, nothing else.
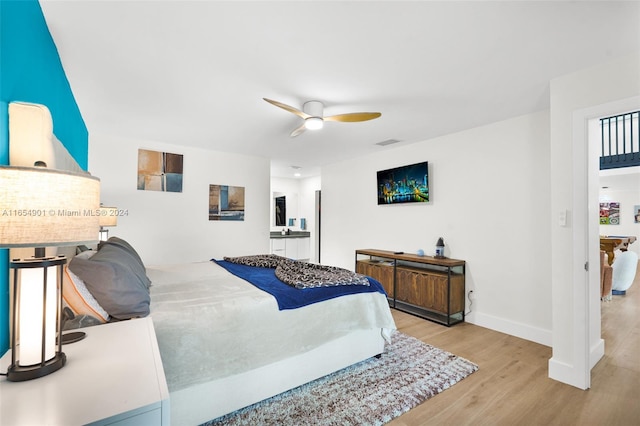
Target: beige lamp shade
(42, 207)
(108, 216)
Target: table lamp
(42, 207)
(108, 217)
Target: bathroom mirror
(284, 206)
(280, 210)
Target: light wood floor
(512, 385)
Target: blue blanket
(289, 297)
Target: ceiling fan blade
(285, 107)
(353, 117)
(298, 130)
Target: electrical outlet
(562, 218)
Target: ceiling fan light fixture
(314, 118)
(313, 123)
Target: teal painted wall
(31, 71)
(4, 253)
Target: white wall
(489, 201)
(167, 227)
(570, 95)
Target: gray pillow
(126, 246)
(116, 277)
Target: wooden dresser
(432, 288)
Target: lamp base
(17, 373)
(73, 337)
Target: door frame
(588, 342)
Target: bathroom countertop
(292, 234)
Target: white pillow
(76, 295)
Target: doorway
(318, 214)
(586, 143)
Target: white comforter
(211, 324)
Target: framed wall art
(226, 202)
(610, 213)
(159, 171)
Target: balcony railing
(620, 141)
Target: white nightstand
(114, 376)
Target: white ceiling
(195, 72)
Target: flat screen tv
(406, 184)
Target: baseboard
(566, 373)
(596, 353)
(523, 331)
(558, 370)
(569, 374)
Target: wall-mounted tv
(406, 184)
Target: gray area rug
(372, 392)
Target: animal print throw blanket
(302, 274)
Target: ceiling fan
(313, 119)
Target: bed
(225, 344)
